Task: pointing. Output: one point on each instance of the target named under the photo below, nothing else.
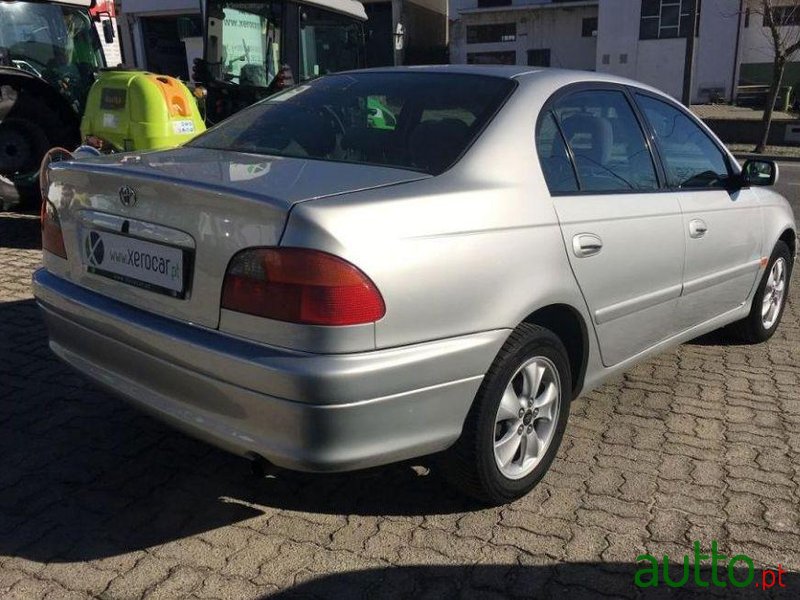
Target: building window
(492, 58)
(623, 59)
(663, 19)
(606, 59)
(489, 34)
(589, 27)
(493, 3)
(783, 16)
(539, 57)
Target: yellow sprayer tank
(137, 110)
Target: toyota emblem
(127, 195)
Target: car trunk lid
(157, 230)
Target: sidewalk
(777, 153)
(737, 113)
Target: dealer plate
(135, 262)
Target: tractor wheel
(23, 144)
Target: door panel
(723, 262)
(632, 285)
(721, 228)
(623, 237)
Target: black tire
(470, 464)
(751, 329)
(23, 144)
(31, 126)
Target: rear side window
(553, 156)
(419, 121)
(607, 142)
(691, 159)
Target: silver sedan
(386, 264)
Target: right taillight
(300, 285)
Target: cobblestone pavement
(96, 499)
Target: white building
(640, 39)
(645, 44)
(533, 32)
(756, 49)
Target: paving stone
(98, 500)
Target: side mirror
(108, 31)
(757, 171)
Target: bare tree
(782, 20)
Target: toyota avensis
(386, 264)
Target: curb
(775, 157)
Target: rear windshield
(419, 121)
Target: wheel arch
(789, 237)
(568, 324)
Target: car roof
(530, 75)
(505, 71)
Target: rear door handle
(697, 228)
(586, 244)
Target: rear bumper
(298, 410)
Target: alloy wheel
(774, 293)
(526, 419)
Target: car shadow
(577, 581)
(84, 476)
(20, 231)
(718, 337)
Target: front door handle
(697, 228)
(586, 244)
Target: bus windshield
(244, 41)
(329, 43)
(247, 42)
(56, 43)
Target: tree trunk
(772, 96)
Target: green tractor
(50, 53)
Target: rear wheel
(769, 300)
(516, 424)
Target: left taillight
(52, 236)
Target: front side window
(607, 142)
(329, 42)
(417, 121)
(691, 159)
